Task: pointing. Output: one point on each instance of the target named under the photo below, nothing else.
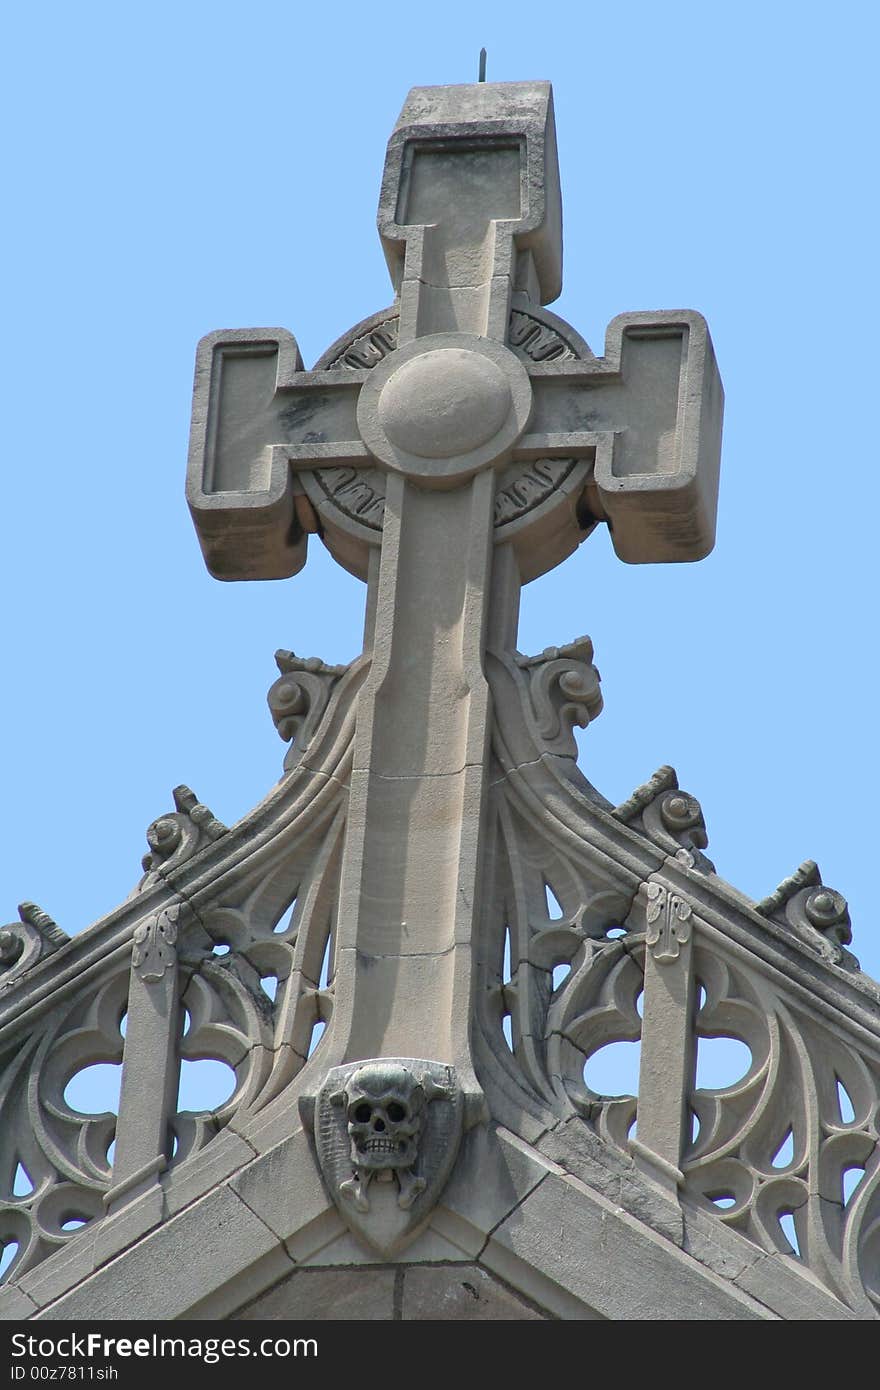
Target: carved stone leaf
(668, 918)
(153, 949)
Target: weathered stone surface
(263, 1274)
(355, 1295)
(493, 1174)
(319, 1235)
(542, 1291)
(345, 1249)
(577, 1150)
(15, 1304)
(423, 1293)
(159, 1274)
(798, 1300)
(610, 1262)
(283, 1187)
(225, 1155)
(463, 1294)
(62, 1271)
(126, 1225)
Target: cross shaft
(470, 221)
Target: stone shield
(387, 1132)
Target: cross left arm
(256, 412)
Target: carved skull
(384, 1105)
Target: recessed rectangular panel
(651, 363)
(658, 480)
(481, 183)
(241, 405)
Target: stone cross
(458, 445)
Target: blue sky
(176, 169)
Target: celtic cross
(447, 451)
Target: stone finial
(817, 913)
(563, 693)
(28, 940)
(179, 834)
(298, 699)
(672, 818)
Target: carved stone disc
(351, 501)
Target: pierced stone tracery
(787, 1155)
(54, 1167)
